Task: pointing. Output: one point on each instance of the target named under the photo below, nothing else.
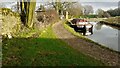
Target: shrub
(49, 16)
(10, 22)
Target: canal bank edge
(112, 24)
(91, 49)
(68, 28)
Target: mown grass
(43, 50)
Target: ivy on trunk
(27, 11)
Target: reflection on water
(86, 33)
(104, 35)
(98, 26)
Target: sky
(101, 5)
(96, 4)
(98, 0)
(65, 0)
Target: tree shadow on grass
(43, 52)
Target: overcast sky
(98, 0)
(96, 4)
(65, 0)
(101, 5)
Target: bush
(11, 22)
(48, 16)
(7, 11)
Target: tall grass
(114, 20)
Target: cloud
(65, 0)
(101, 5)
(98, 0)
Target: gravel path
(88, 48)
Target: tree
(42, 8)
(61, 6)
(115, 12)
(15, 7)
(18, 6)
(87, 9)
(57, 6)
(75, 10)
(27, 12)
(101, 13)
(106, 14)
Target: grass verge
(44, 50)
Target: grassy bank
(95, 19)
(114, 21)
(44, 50)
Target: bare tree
(61, 6)
(18, 6)
(101, 13)
(87, 9)
(75, 9)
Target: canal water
(105, 35)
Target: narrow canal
(105, 35)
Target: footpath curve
(106, 56)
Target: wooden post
(66, 14)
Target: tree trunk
(23, 17)
(27, 12)
(30, 13)
(18, 6)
